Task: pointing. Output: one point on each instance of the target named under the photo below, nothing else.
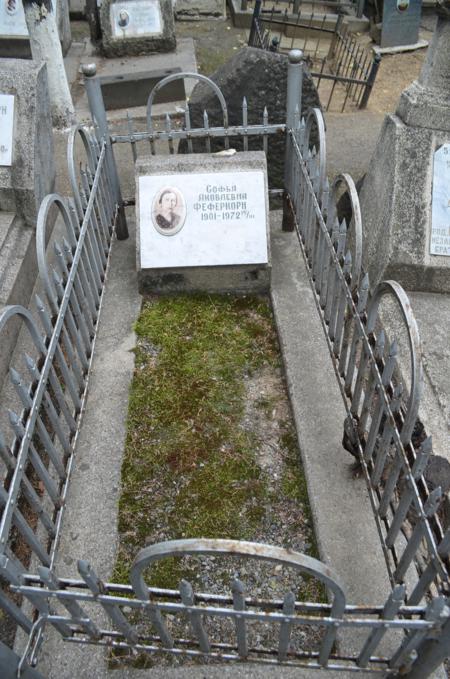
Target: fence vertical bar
(293, 102)
(253, 29)
(98, 113)
(370, 81)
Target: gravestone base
(396, 202)
(218, 240)
(236, 279)
(136, 27)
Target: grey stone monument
(405, 198)
(135, 27)
(27, 169)
(14, 40)
(401, 21)
(202, 223)
(27, 174)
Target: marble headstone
(134, 27)
(14, 40)
(203, 222)
(27, 168)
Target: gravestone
(14, 40)
(405, 198)
(27, 169)
(261, 77)
(203, 223)
(401, 22)
(135, 27)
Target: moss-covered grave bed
(211, 449)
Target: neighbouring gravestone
(14, 39)
(134, 27)
(203, 223)
(27, 169)
(261, 77)
(199, 9)
(401, 22)
(405, 198)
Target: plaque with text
(12, 19)
(135, 19)
(6, 128)
(200, 219)
(440, 203)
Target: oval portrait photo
(168, 211)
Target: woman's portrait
(168, 211)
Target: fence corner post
(370, 80)
(99, 119)
(293, 104)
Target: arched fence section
(51, 382)
(382, 429)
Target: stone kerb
(136, 27)
(200, 9)
(31, 175)
(218, 240)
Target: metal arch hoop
(88, 145)
(217, 547)
(182, 76)
(49, 200)
(315, 115)
(17, 310)
(346, 179)
(395, 289)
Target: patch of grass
(189, 470)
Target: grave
(14, 40)
(202, 223)
(405, 198)
(27, 174)
(135, 27)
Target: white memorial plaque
(203, 219)
(6, 128)
(12, 19)
(440, 203)
(135, 18)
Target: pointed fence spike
(15, 377)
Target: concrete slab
(183, 58)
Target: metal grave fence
(407, 636)
(335, 57)
(294, 6)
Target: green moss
(188, 466)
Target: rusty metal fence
(336, 59)
(407, 636)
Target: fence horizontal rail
(230, 131)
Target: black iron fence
(332, 50)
